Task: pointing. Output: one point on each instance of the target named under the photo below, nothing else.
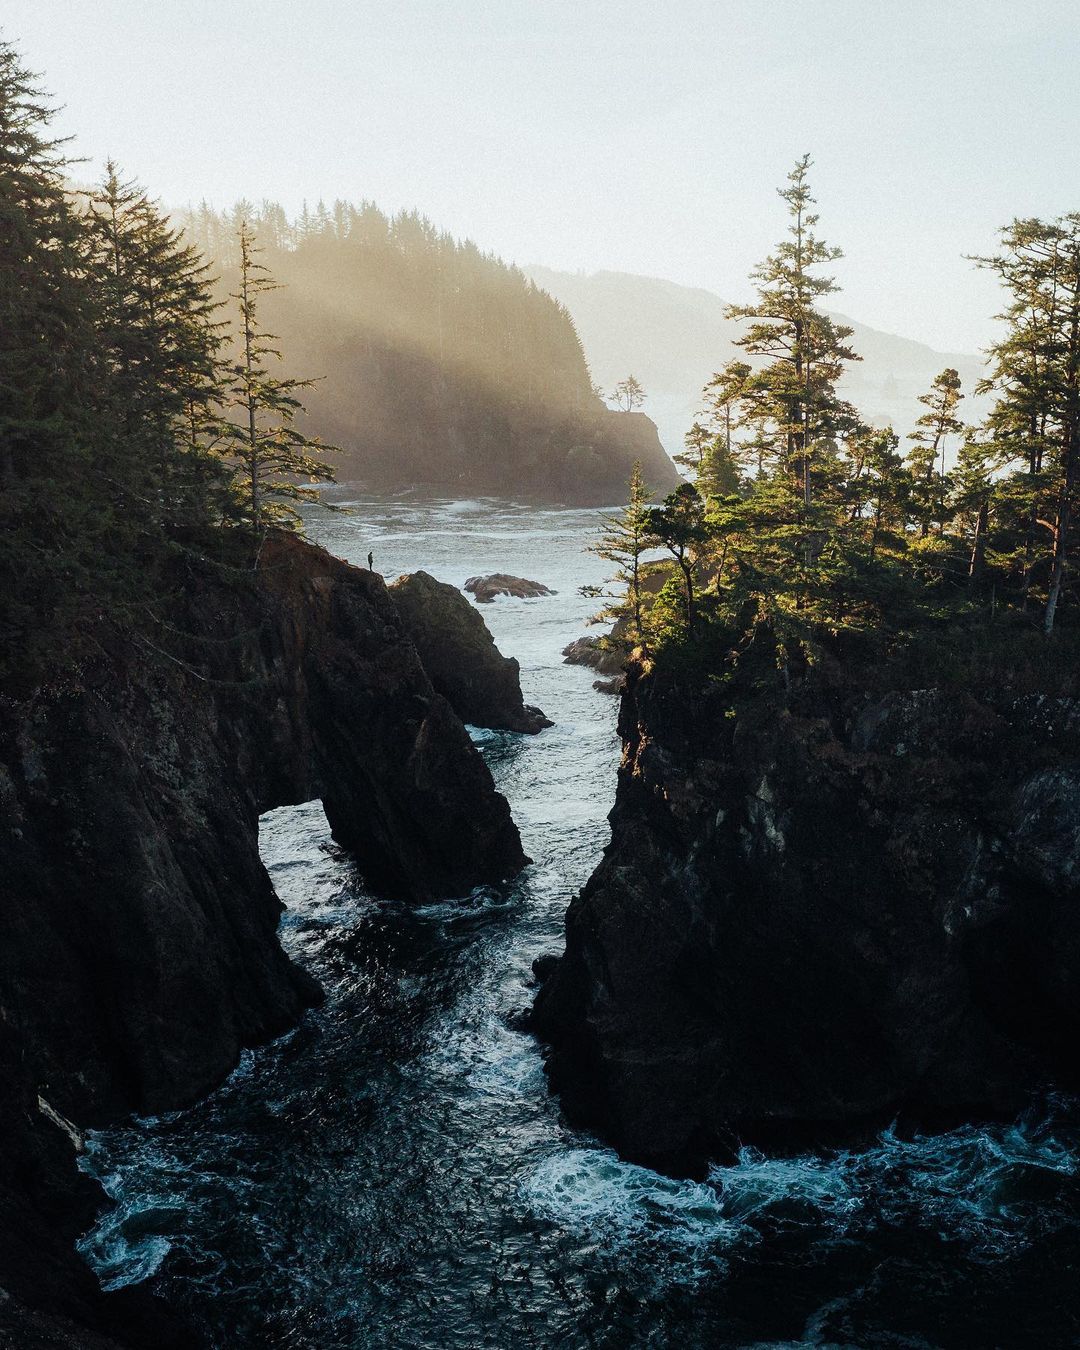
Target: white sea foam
(592, 1191)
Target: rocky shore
(138, 951)
(820, 914)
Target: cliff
(459, 654)
(138, 948)
(818, 915)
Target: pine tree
(794, 394)
(709, 459)
(58, 560)
(271, 454)
(679, 525)
(159, 329)
(1035, 370)
(926, 458)
(970, 499)
(629, 394)
(876, 487)
(627, 539)
(723, 396)
(696, 442)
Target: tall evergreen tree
(679, 525)
(724, 395)
(970, 500)
(159, 330)
(926, 458)
(1035, 370)
(272, 454)
(624, 543)
(805, 351)
(58, 511)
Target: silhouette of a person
(371, 562)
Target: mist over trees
(441, 363)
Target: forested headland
(840, 891)
(439, 363)
(155, 376)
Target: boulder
(590, 651)
(485, 589)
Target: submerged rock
(814, 917)
(502, 583)
(138, 943)
(460, 657)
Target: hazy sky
(644, 136)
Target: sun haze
(602, 136)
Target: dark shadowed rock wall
(138, 947)
(811, 919)
(460, 657)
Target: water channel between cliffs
(394, 1173)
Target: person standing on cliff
(370, 562)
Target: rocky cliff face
(459, 654)
(813, 919)
(138, 948)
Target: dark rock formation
(608, 661)
(138, 948)
(485, 589)
(813, 918)
(460, 657)
(588, 651)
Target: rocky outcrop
(460, 657)
(485, 589)
(820, 915)
(605, 445)
(589, 651)
(138, 948)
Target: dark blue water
(393, 1172)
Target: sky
(643, 137)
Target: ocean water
(394, 1172)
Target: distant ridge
(674, 337)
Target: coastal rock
(817, 918)
(485, 589)
(460, 657)
(588, 651)
(606, 660)
(138, 946)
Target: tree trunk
(977, 566)
(688, 579)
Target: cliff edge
(818, 914)
(138, 947)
